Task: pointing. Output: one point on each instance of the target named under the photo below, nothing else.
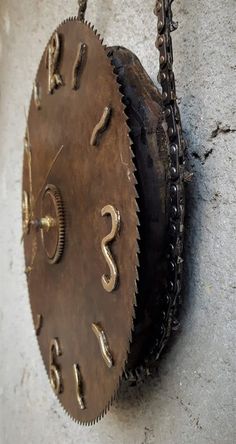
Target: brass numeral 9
(109, 282)
(54, 371)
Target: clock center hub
(52, 223)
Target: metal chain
(176, 195)
(82, 9)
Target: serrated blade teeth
(137, 206)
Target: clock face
(80, 221)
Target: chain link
(82, 9)
(175, 193)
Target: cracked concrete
(222, 129)
(192, 399)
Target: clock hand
(34, 222)
(49, 170)
(27, 148)
(32, 200)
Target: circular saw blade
(77, 139)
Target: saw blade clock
(103, 212)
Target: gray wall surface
(192, 399)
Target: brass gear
(53, 243)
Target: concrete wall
(191, 400)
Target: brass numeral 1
(79, 62)
(78, 384)
(54, 371)
(109, 282)
(26, 213)
(37, 98)
(103, 343)
(101, 126)
(38, 324)
(52, 60)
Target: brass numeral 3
(109, 282)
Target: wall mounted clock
(103, 212)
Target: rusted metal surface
(148, 133)
(69, 294)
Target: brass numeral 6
(109, 282)
(54, 371)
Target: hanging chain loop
(176, 150)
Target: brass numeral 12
(52, 60)
(109, 282)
